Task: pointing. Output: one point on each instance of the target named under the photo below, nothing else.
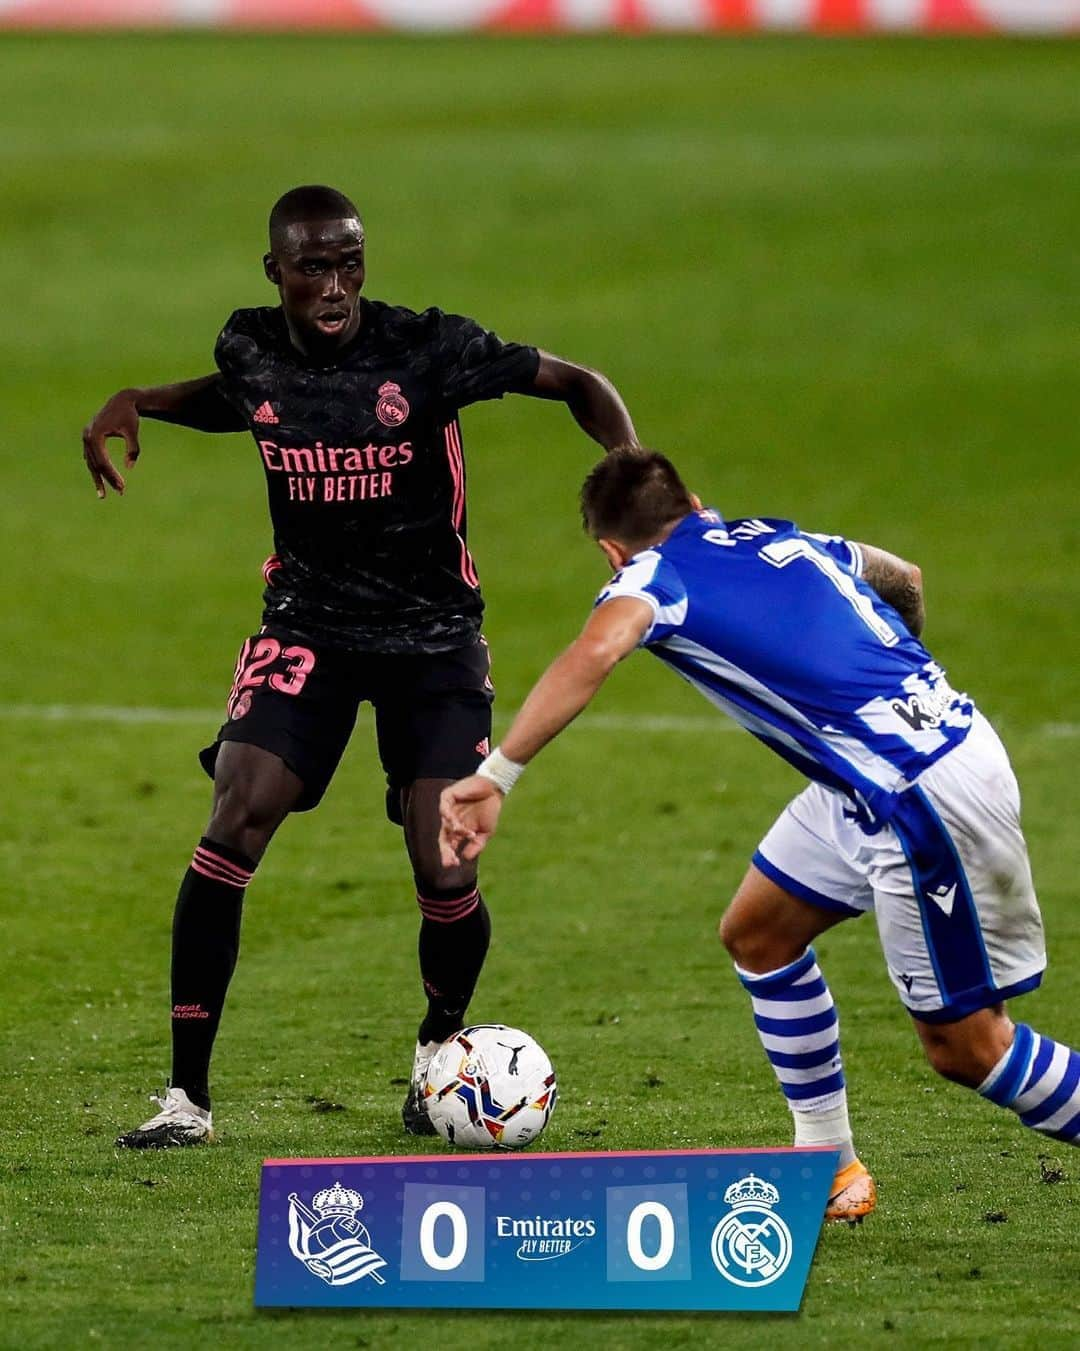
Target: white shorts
(948, 878)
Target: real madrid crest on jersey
(393, 407)
(329, 1238)
(751, 1246)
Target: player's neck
(632, 550)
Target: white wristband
(502, 772)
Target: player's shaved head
(634, 496)
(309, 204)
(316, 261)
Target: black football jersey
(365, 471)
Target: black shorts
(299, 701)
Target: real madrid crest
(752, 1245)
(393, 407)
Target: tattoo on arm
(897, 582)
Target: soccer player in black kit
(371, 594)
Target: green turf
(835, 279)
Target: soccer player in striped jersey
(912, 811)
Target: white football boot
(178, 1123)
(414, 1113)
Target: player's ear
(615, 554)
(695, 501)
(270, 267)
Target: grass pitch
(836, 280)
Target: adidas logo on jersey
(265, 413)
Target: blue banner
(678, 1229)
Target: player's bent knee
(745, 946)
(948, 1061)
(254, 790)
(729, 932)
(966, 1051)
(754, 946)
(237, 814)
(245, 819)
(436, 880)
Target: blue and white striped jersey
(776, 627)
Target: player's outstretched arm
(897, 582)
(199, 404)
(470, 808)
(591, 397)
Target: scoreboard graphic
(669, 1230)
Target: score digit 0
(635, 1222)
(460, 1243)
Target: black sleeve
(236, 350)
(475, 364)
(235, 353)
(208, 410)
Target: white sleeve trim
(855, 553)
(636, 595)
(662, 614)
(632, 581)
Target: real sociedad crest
(393, 407)
(752, 1245)
(329, 1239)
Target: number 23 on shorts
(295, 664)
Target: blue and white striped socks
(797, 1023)
(1039, 1079)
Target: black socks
(206, 940)
(454, 935)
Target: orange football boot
(853, 1194)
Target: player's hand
(469, 810)
(119, 417)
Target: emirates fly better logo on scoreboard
(711, 1229)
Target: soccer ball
(490, 1087)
